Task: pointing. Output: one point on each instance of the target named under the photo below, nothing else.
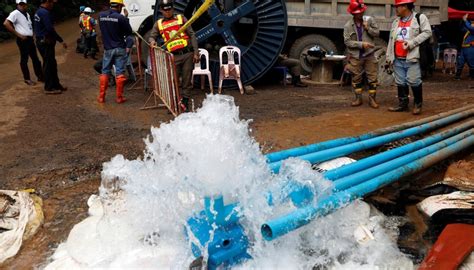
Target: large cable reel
(257, 27)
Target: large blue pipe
(328, 154)
(302, 216)
(359, 177)
(368, 168)
(303, 150)
(368, 162)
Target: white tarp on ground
(20, 217)
(455, 200)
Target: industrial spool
(257, 27)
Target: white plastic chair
(230, 70)
(198, 70)
(450, 59)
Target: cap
(21, 1)
(166, 4)
(404, 2)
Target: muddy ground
(57, 144)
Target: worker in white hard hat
(87, 25)
(20, 24)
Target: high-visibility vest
(168, 29)
(86, 23)
(466, 44)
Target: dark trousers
(50, 67)
(184, 67)
(292, 64)
(90, 45)
(28, 49)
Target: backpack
(427, 59)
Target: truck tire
(300, 48)
(383, 78)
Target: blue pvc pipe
(303, 150)
(368, 168)
(328, 154)
(394, 153)
(296, 219)
(359, 177)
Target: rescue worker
(359, 35)
(46, 38)
(87, 25)
(294, 66)
(114, 28)
(185, 47)
(20, 24)
(467, 50)
(403, 53)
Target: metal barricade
(165, 81)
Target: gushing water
(140, 217)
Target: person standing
(185, 47)
(359, 35)
(87, 26)
(20, 24)
(114, 28)
(467, 50)
(403, 53)
(46, 38)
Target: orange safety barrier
(165, 82)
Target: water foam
(146, 202)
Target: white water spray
(146, 202)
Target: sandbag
(21, 218)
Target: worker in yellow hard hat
(114, 28)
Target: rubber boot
(358, 95)
(119, 85)
(372, 102)
(402, 100)
(372, 95)
(418, 97)
(471, 73)
(458, 74)
(104, 84)
(296, 81)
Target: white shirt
(22, 24)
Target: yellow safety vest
(168, 29)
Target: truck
(264, 29)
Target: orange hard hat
(356, 7)
(404, 2)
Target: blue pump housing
(229, 243)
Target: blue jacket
(44, 27)
(468, 40)
(114, 28)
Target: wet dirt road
(57, 144)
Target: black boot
(296, 81)
(458, 74)
(402, 99)
(471, 73)
(418, 96)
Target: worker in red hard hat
(408, 31)
(359, 35)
